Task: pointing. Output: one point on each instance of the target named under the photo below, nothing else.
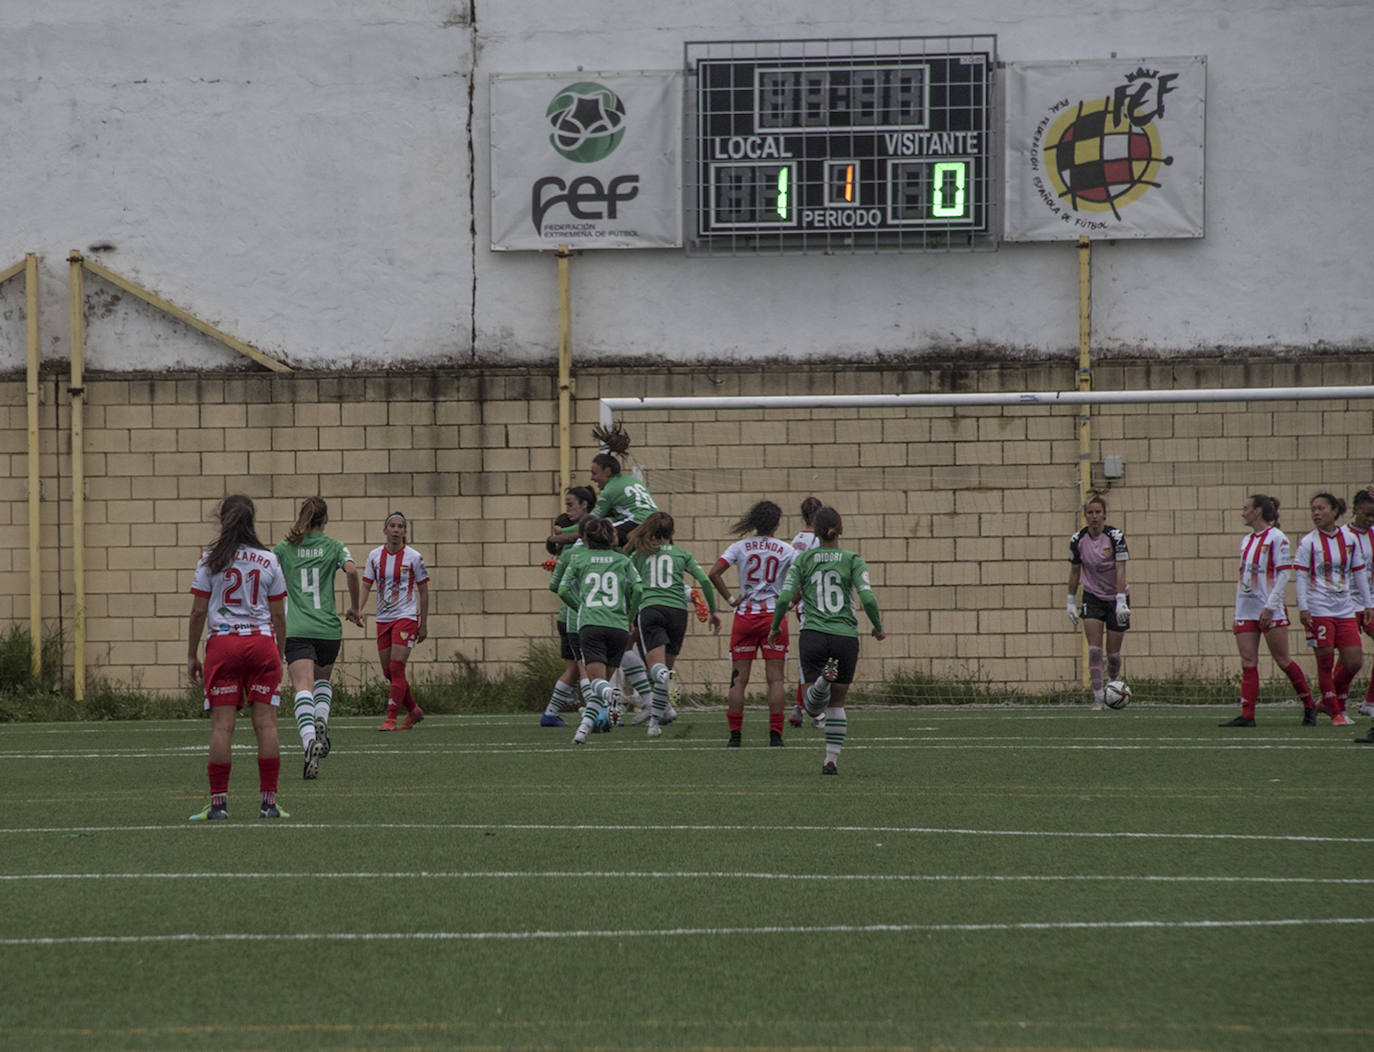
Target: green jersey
(309, 569)
(825, 579)
(662, 575)
(602, 587)
(566, 614)
(624, 499)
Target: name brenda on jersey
(762, 544)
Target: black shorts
(815, 648)
(321, 651)
(662, 626)
(1096, 608)
(567, 644)
(602, 644)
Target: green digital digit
(782, 205)
(946, 173)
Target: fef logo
(588, 122)
(1101, 155)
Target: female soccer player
(805, 539)
(577, 504)
(314, 633)
(762, 561)
(662, 621)
(827, 578)
(1098, 556)
(1333, 601)
(1265, 563)
(241, 581)
(603, 588)
(1361, 522)
(402, 615)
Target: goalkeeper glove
(1071, 608)
(549, 564)
(703, 614)
(1123, 612)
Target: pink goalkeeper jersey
(396, 575)
(1265, 563)
(239, 594)
(762, 563)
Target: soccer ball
(1117, 694)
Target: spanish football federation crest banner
(588, 160)
(1105, 148)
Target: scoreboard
(874, 145)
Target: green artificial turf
(975, 878)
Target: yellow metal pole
(77, 392)
(1085, 383)
(564, 370)
(35, 492)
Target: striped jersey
(1265, 565)
(1330, 574)
(309, 568)
(762, 563)
(239, 594)
(397, 576)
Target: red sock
(775, 721)
(268, 769)
(400, 688)
(219, 777)
(1341, 680)
(1249, 691)
(1299, 681)
(734, 720)
(1325, 681)
(801, 692)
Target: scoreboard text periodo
(876, 151)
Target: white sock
(562, 699)
(836, 724)
(324, 697)
(305, 716)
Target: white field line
(497, 874)
(666, 933)
(274, 827)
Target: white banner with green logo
(588, 160)
(1105, 148)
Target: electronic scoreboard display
(876, 145)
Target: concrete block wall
(963, 514)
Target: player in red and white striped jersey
(762, 561)
(402, 583)
(1265, 565)
(240, 595)
(1333, 601)
(1362, 525)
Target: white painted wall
(301, 173)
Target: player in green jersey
(662, 621)
(577, 504)
(603, 588)
(826, 578)
(309, 560)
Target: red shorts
(749, 635)
(1241, 628)
(399, 633)
(242, 668)
(1334, 632)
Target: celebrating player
(662, 620)
(314, 633)
(1333, 600)
(762, 561)
(603, 588)
(827, 578)
(804, 540)
(402, 615)
(241, 581)
(1265, 564)
(577, 504)
(1098, 556)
